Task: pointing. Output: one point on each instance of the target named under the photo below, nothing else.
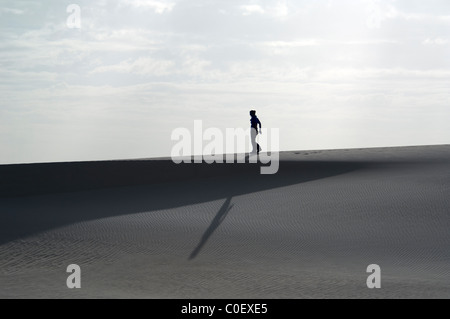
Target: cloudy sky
(327, 73)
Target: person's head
(252, 113)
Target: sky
(329, 74)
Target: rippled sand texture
(219, 231)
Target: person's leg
(253, 133)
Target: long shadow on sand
(220, 217)
(27, 215)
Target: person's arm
(259, 122)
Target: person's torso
(254, 122)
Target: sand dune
(152, 229)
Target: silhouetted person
(254, 122)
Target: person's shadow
(220, 217)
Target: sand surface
(153, 229)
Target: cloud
(140, 66)
(281, 9)
(324, 42)
(12, 10)
(389, 74)
(251, 9)
(277, 9)
(292, 44)
(159, 7)
(436, 41)
(379, 11)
